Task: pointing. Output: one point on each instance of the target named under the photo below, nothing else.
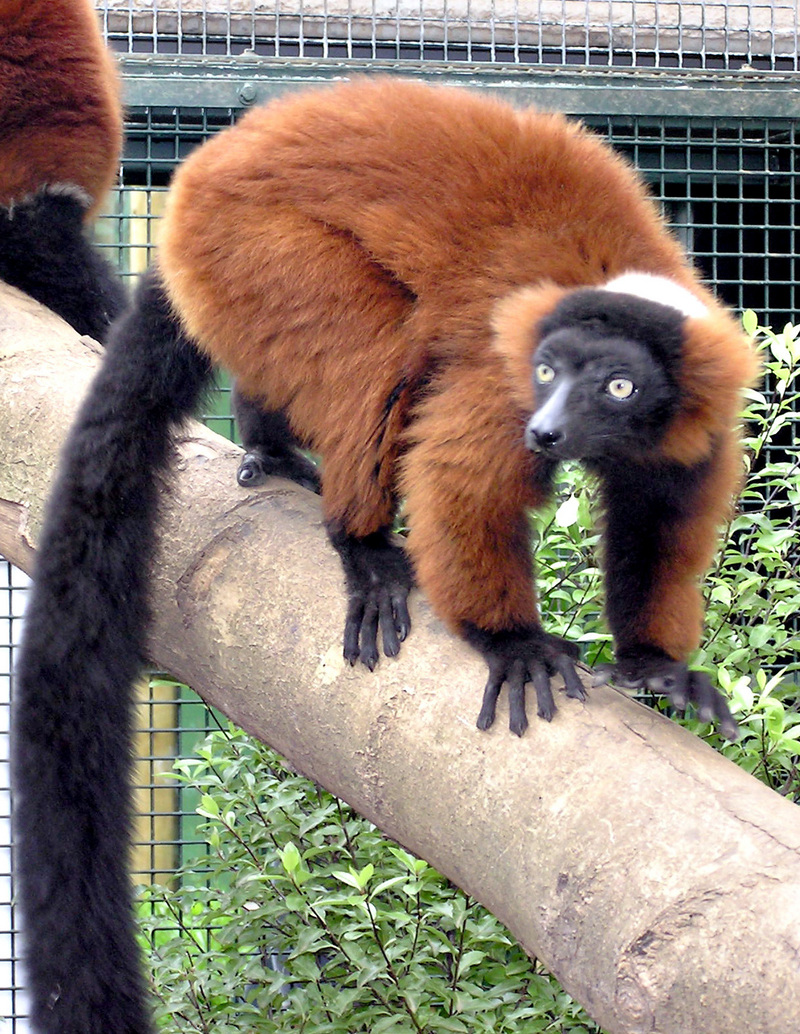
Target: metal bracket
(247, 79)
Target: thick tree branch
(659, 883)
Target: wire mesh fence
(636, 33)
(730, 187)
(13, 595)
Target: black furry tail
(44, 251)
(82, 650)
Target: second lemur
(60, 141)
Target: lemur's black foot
(652, 669)
(257, 465)
(271, 448)
(529, 655)
(379, 579)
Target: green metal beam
(239, 82)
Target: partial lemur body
(443, 297)
(60, 139)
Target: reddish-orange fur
(60, 114)
(340, 244)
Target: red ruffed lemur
(443, 297)
(60, 140)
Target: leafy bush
(752, 642)
(307, 919)
(753, 589)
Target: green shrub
(752, 641)
(306, 918)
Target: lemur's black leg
(270, 447)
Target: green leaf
(470, 959)
(760, 636)
(386, 884)
(749, 322)
(779, 346)
(290, 858)
(208, 806)
(352, 879)
(390, 1023)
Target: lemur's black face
(604, 377)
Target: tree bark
(658, 882)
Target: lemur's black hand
(659, 674)
(379, 579)
(520, 657)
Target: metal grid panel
(13, 596)
(714, 34)
(731, 188)
(172, 720)
(156, 140)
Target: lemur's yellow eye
(544, 373)
(620, 388)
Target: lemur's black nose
(542, 441)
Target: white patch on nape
(72, 190)
(83, 197)
(659, 289)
